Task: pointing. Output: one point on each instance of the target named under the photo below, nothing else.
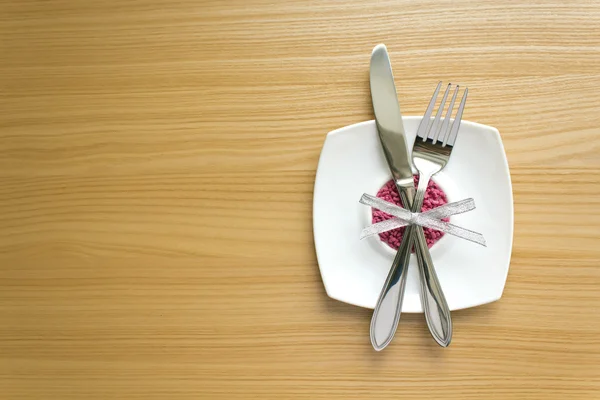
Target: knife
(391, 134)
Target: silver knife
(391, 134)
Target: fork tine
(432, 134)
(424, 125)
(446, 122)
(456, 124)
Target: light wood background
(157, 161)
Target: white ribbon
(429, 219)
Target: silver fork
(431, 152)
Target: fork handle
(435, 307)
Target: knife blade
(389, 119)
(391, 135)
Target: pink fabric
(434, 197)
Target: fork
(431, 152)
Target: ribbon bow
(429, 219)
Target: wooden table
(157, 164)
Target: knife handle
(437, 313)
(389, 305)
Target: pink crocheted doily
(434, 197)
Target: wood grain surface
(157, 161)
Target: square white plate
(354, 270)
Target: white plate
(354, 270)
